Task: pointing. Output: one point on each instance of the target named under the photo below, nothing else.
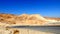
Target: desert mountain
(26, 19)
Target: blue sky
(50, 8)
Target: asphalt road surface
(53, 29)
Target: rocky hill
(25, 19)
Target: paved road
(52, 29)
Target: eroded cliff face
(30, 19)
(25, 19)
(7, 18)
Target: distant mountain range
(26, 19)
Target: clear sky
(50, 8)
